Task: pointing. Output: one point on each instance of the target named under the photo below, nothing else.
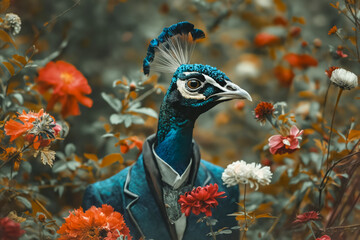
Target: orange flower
(38, 128)
(300, 61)
(330, 70)
(284, 75)
(125, 145)
(94, 224)
(266, 39)
(68, 84)
(333, 30)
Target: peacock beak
(232, 91)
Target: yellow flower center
(66, 77)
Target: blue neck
(174, 138)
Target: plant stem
(331, 127)
(211, 228)
(310, 227)
(246, 226)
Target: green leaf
(226, 231)
(18, 97)
(72, 165)
(299, 178)
(147, 111)
(23, 201)
(117, 118)
(70, 149)
(113, 102)
(59, 166)
(277, 174)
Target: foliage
(278, 50)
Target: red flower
(305, 217)
(264, 110)
(284, 75)
(200, 199)
(330, 70)
(295, 31)
(94, 224)
(38, 128)
(280, 20)
(324, 237)
(10, 230)
(300, 61)
(266, 39)
(279, 144)
(68, 84)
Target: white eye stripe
(181, 86)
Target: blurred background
(107, 40)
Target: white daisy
(246, 173)
(344, 79)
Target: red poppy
(266, 39)
(10, 230)
(305, 217)
(38, 128)
(68, 84)
(200, 200)
(264, 110)
(284, 75)
(300, 61)
(324, 237)
(94, 224)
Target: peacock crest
(173, 48)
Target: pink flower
(10, 230)
(341, 54)
(325, 237)
(305, 217)
(280, 144)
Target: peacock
(146, 193)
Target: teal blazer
(136, 192)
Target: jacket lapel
(145, 172)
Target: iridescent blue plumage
(173, 30)
(138, 192)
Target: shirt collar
(169, 175)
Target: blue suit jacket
(136, 192)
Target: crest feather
(173, 47)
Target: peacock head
(194, 88)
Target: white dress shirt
(173, 179)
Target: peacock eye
(193, 84)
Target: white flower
(246, 173)
(12, 22)
(344, 79)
